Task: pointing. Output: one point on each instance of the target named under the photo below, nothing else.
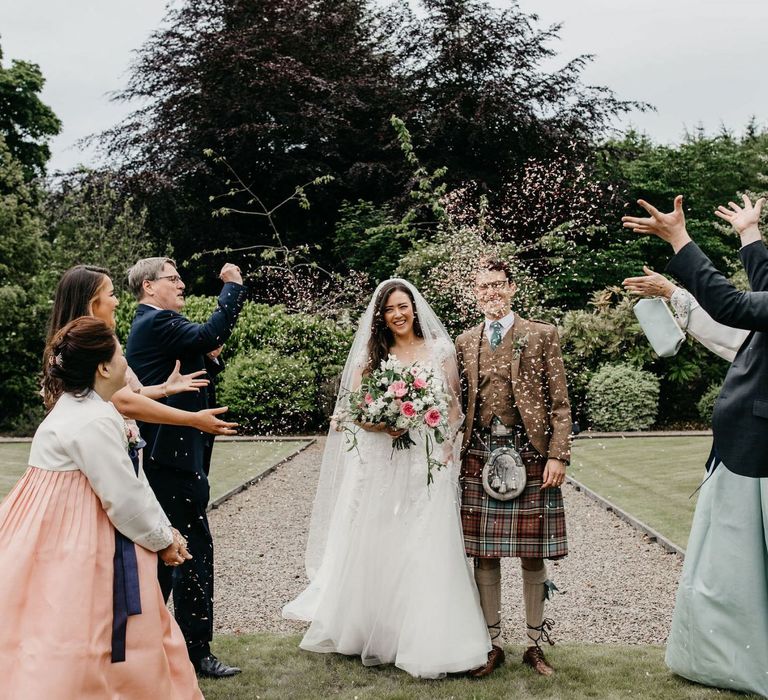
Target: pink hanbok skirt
(56, 574)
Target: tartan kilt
(531, 525)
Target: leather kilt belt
(531, 525)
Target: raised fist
(231, 273)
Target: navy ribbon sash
(126, 594)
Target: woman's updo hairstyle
(74, 353)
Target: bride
(389, 580)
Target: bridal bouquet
(409, 398)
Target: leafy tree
(90, 221)
(285, 91)
(708, 169)
(364, 238)
(24, 284)
(26, 123)
(288, 90)
(484, 103)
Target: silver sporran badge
(504, 476)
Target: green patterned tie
(495, 335)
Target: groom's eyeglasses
(174, 279)
(492, 285)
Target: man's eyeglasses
(492, 285)
(174, 279)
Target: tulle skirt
(395, 585)
(56, 550)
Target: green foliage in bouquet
(622, 397)
(268, 392)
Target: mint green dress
(719, 634)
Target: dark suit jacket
(740, 418)
(157, 339)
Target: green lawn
(233, 463)
(274, 667)
(13, 463)
(650, 478)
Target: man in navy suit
(176, 458)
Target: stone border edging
(626, 517)
(256, 479)
(222, 438)
(587, 435)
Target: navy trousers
(184, 497)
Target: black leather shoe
(210, 667)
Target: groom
(515, 394)
(177, 459)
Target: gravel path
(619, 587)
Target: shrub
(269, 393)
(622, 397)
(706, 404)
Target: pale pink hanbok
(57, 544)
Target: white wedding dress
(390, 581)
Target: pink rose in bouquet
(432, 417)
(404, 400)
(398, 388)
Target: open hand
(743, 219)
(207, 421)
(178, 382)
(652, 284)
(669, 227)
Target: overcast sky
(697, 61)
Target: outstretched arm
(727, 305)
(144, 409)
(669, 227)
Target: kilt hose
(531, 525)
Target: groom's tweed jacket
(537, 375)
(528, 361)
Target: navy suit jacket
(157, 339)
(740, 418)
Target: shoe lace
(494, 631)
(543, 629)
